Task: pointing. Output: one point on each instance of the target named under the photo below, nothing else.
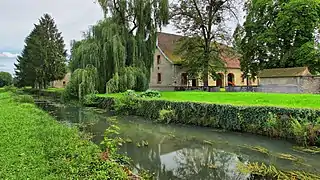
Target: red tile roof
(166, 42)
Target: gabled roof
(167, 42)
(284, 72)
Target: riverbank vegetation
(300, 125)
(240, 98)
(34, 145)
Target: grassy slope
(33, 145)
(248, 99)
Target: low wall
(241, 88)
(274, 88)
(305, 84)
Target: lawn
(33, 145)
(243, 98)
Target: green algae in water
(263, 171)
(311, 150)
(257, 149)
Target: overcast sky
(17, 18)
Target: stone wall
(165, 68)
(62, 83)
(305, 84)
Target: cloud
(8, 55)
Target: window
(159, 78)
(64, 83)
(158, 59)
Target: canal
(185, 152)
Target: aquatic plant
(269, 121)
(259, 171)
(257, 149)
(310, 149)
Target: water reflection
(176, 152)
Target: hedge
(251, 119)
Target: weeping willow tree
(82, 82)
(126, 37)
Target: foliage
(166, 115)
(43, 57)
(24, 99)
(126, 37)
(241, 98)
(258, 120)
(127, 78)
(262, 171)
(279, 34)
(10, 88)
(5, 79)
(38, 147)
(82, 83)
(205, 21)
(150, 94)
(130, 93)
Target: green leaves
(5, 79)
(280, 34)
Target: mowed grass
(243, 98)
(35, 146)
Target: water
(184, 152)
(7, 64)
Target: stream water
(184, 152)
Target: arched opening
(220, 80)
(231, 79)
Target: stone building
(288, 80)
(62, 83)
(167, 72)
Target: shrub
(82, 83)
(10, 88)
(24, 99)
(131, 93)
(166, 115)
(269, 121)
(5, 79)
(151, 94)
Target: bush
(131, 93)
(10, 88)
(24, 99)
(151, 94)
(5, 79)
(269, 121)
(166, 115)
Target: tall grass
(35, 146)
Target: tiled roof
(285, 72)
(166, 42)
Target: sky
(17, 19)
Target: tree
(5, 79)
(205, 21)
(280, 33)
(43, 57)
(126, 37)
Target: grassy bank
(300, 125)
(34, 146)
(241, 98)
